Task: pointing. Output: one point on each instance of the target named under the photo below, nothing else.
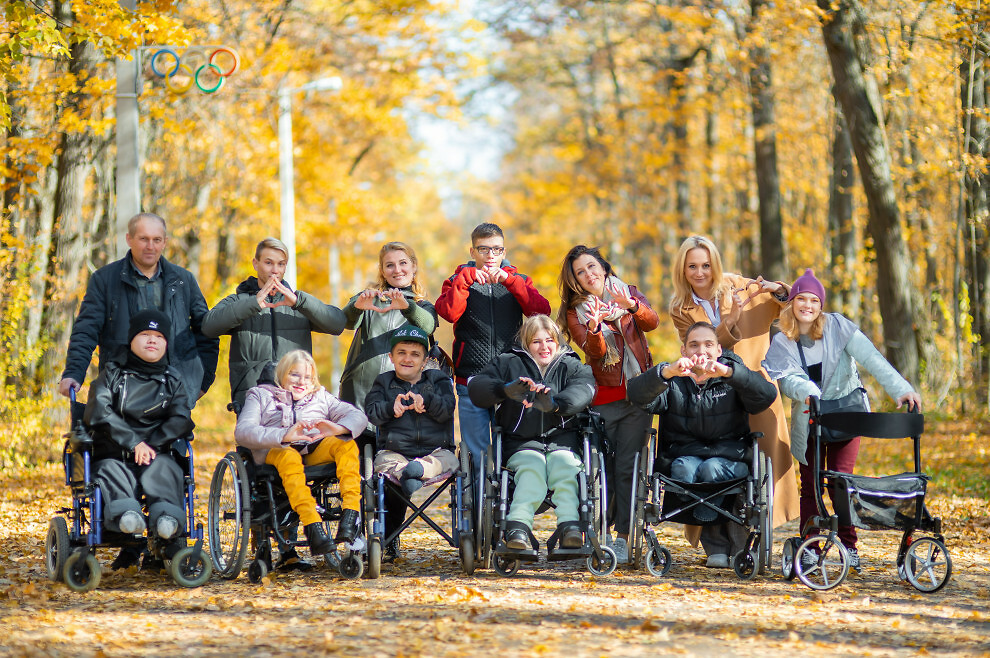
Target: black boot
(391, 551)
(347, 530)
(317, 539)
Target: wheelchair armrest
(79, 439)
(754, 436)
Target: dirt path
(424, 606)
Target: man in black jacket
(139, 281)
(704, 399)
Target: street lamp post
(287, 198)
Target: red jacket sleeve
(522, 288)
(452, 301)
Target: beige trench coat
(750, 339)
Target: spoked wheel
(229, 516)
(787, 557)
(927, 564)
(467, 555)
(505, 566)
(374, 557)
(257, 571)
(658, 562)
(605, 565)
(56, 547)
(638, 498)
(766, 519)
(81, 571)
(351, 566)
(486, 529)
(821, 563)
(190, 570)
(746, 564)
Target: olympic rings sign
(196, 65)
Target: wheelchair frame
(924, 561)
(650, 488)
(70, 554)
(251, 497)
(600, 559)
(461, 535)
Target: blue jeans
(713, 469)
(476, 427)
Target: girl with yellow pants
(299, 423)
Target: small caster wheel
(190, 570)
(505, 566)
(605, 565)
(257, 571)
(745, 564)
(351, 566)
(658, 562)
(81, 571)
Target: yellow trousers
(289, 463)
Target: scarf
(134, 363)
(630, 366)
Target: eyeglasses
(484, 251)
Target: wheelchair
(247, 502)
(74, 535)
(461, 535)
(658, 498)
(496, 494)
(871, 503)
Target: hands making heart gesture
(698, 367)
(270, 289)
(599, 310)
(406, 401)
(530, 394)
(312, 430)
(395, 298)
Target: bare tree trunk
(860, 104)
(70, 245)
(772, 265)
(844, 288)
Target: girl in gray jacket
(831, 346)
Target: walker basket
(878, 503)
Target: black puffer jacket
(413, 434)
(572, 386)
(125, 408)
(705, 421)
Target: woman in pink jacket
(300, 423)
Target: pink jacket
(269, 412)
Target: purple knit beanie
(808, 283)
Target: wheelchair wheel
(746, 564)
(229, 516)
(831, 563)
(189, 570)
(81, 571)
(766, 517)
(787, 557)
(351, 566)
(505, 566)
(486, 529)
(639, 492)
(602, 567)
(56, 547)
(467, 555)
(257, 571)
(658, 562)
(927, 565)
(374, 557)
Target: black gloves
(544, 402)
(517, 390)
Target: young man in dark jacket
(704, 399)
(266, 319)
(413, 409)
(141, 280)
(137, 408)
(486, 300)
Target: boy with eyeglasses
(485, 300)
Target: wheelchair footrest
(527, 555)
(570, 553)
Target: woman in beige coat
(742, 310)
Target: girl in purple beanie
(831, 347)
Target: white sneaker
(621, 549)
(718, 561)
(166, 527)
(131, 523)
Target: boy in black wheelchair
(704, 400)
(413, 410)
(136, 409)
(540, 385)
